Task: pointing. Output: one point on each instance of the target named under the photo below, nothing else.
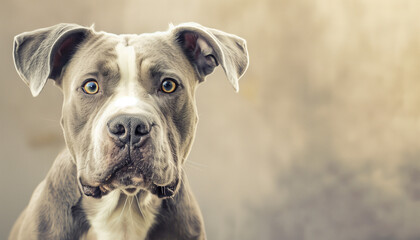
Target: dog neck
(118, 216)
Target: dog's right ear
(42, 54)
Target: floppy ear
(42, 54)
(206, 48)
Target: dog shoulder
(52, 212)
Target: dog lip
(167, 191)
(130, 190)
(91, 191)
(95, 190)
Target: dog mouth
(131, 169)
(130, 183)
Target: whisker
(197, 164)
(195, 167)
(119, 218)
(183, 182)
(131, 214)
(138, 204)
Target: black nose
(129, 128)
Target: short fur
(101, 186)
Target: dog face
(134, 126)
(129, 114)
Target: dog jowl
(129, 118)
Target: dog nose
(129, 128)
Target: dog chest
(118, 216)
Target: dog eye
(91, 87)
(169, 85)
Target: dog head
(129, 115)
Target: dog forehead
(157, 45)
(159, 48)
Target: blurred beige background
(322, 141)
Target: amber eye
(91, 87)
(169, 85)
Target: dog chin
(130, 186)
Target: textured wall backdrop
(322, 142)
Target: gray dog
(129, 118)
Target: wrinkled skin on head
(129, 71)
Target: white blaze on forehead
(125, 98)
(127, 92)
(126, 59)
(125, 101)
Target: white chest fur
(117, 216)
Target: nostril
(120, 129)
(117, 129)
(142, 130)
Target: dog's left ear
(206, 48)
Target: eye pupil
(91, 86)
(169, 86)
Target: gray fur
(62, 204)
(33, 53)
